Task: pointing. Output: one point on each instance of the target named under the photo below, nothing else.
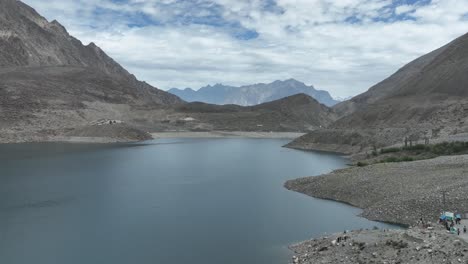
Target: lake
(167, 201)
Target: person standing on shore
(464, 229)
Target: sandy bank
(226, 134)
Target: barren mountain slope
(387, 87)
(426, 98)
(416, 92)
(29, 40)
(51, 81)
(294, 113)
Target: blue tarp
(447, 216)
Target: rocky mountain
(29, 40)
(435, 80)
(252, 94)
(298, 112)
(427, 98)
(50, 80)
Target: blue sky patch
(182, 13)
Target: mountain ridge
(298, 112)
(28, 40)
(253, 94)
(436, 77)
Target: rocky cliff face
(252, 94)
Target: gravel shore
(400, 193)
(395, 192)
(417, 245)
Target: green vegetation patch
(417, 152)
(389, 150)
(362, 164)
(444, 148)
(397, 159)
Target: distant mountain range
(252, 94)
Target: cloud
(341, 46)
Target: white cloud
(310, 40)
(404, 9)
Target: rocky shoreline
(415, 245)
(395, 192)
(126, 133)
(400, 193)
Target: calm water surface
(169, 201)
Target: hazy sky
(343, 46)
